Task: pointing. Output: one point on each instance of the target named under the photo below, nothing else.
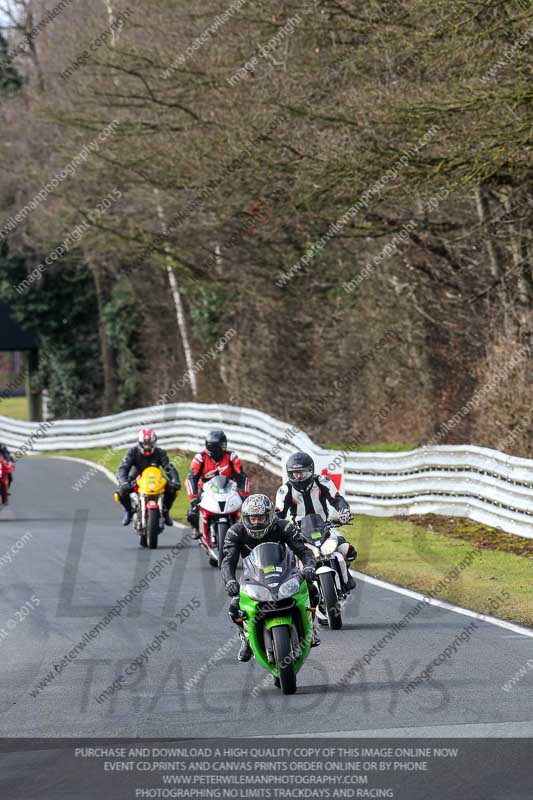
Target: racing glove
(345, 516)
(233, 588)
(309, 574)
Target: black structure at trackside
(14, 337)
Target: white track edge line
(392, 587)
(107, 472)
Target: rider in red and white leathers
(214, 459)
(6, 472)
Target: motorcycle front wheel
(222, 529)
(284, 658)
(152, 527)
(331, 601)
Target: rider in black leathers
(137, 458)
(241, 539)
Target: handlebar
(328, 523)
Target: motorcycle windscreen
(267, 558)
(221, 482)
(221, 486)
(313, 528)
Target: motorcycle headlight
(329, 546)
(256, 592)
(289, 588)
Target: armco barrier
(468, 481)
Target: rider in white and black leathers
(308, 493)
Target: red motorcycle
(7, 468)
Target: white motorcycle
(219, 506)
(331, 569)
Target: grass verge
(375, 447)
(15, 407)
(416, 557)
(477, 534)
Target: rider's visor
(300, 474)
(256, 520)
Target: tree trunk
(178, 305)
(105, 345)
(495, 263)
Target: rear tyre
(284, 658)
(331, 601)
(143, 540)
(152, 527)
(222, 529)
(213, 562)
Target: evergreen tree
(10, 80)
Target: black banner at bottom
(284, 769)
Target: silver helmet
(257, 515)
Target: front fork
(142, 508)
(342, 569)
(337, 564)
(269, 648)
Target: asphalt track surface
(79, 561)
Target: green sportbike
(274, 604)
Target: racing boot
(315, 638)
(350, 558)
(350, 583)
(193, 518)
(245, 651)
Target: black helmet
(257, 515)
(216, 444)
(301, 471)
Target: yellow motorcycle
(147, 506)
